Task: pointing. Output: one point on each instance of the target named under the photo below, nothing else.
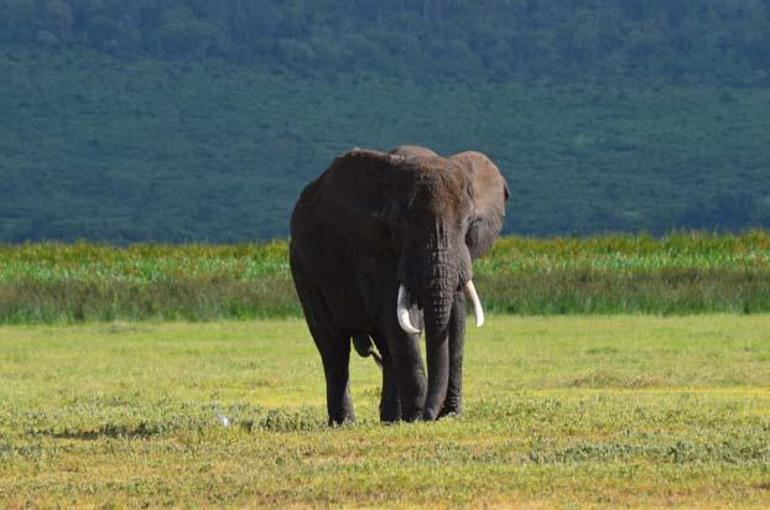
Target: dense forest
(179, 120)
(723, 41)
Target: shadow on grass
(110, 430)
(281, 420)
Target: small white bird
(224, 420)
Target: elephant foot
(342, 413)
(411, 414)
(390, 414)
(451, 408)
(430, 414)
(390, 420)
(339, 421)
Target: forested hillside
(178, 120)
(719, 41)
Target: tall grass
(681, 273)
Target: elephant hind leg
(390, 405)
(332, 344)
(336, 357)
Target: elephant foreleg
(390, 405)
(453, 402)
(408, 372)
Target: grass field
(563, 411)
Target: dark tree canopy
(177, 120)
(681, 40)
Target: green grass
(559, 411)
(681, 273)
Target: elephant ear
(354, 197)
(489, 192)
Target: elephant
(381, 249)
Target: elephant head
(432, 215)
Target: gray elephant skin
(381, 249)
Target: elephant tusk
(478, 311)
(402, 312)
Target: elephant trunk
(436, 313)
(436, 297)
(431, 280)
(437, 308)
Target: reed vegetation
(681, 273)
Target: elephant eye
(469, 231)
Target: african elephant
(381, 248)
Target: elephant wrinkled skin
(381, 248)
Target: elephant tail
(365, 348)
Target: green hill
(184, 120)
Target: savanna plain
(566, 411)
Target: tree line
(721, 41)
(182, 120)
